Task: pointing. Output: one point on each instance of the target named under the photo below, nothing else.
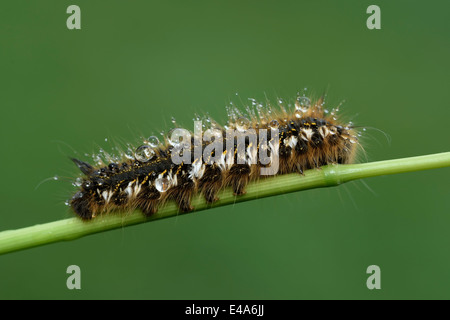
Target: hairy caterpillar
(309, 136)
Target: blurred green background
(135, 64)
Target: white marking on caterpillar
(306, 134)
(221, 162)
(323, 130)
(229, 160)
(137, 188)
(252, 154)
(129, 189)
(291, 142)
(274, 147)
(173, 180)
(107, 195)
(197, 171)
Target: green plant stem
(332, 175)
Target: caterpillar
(286, 140)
